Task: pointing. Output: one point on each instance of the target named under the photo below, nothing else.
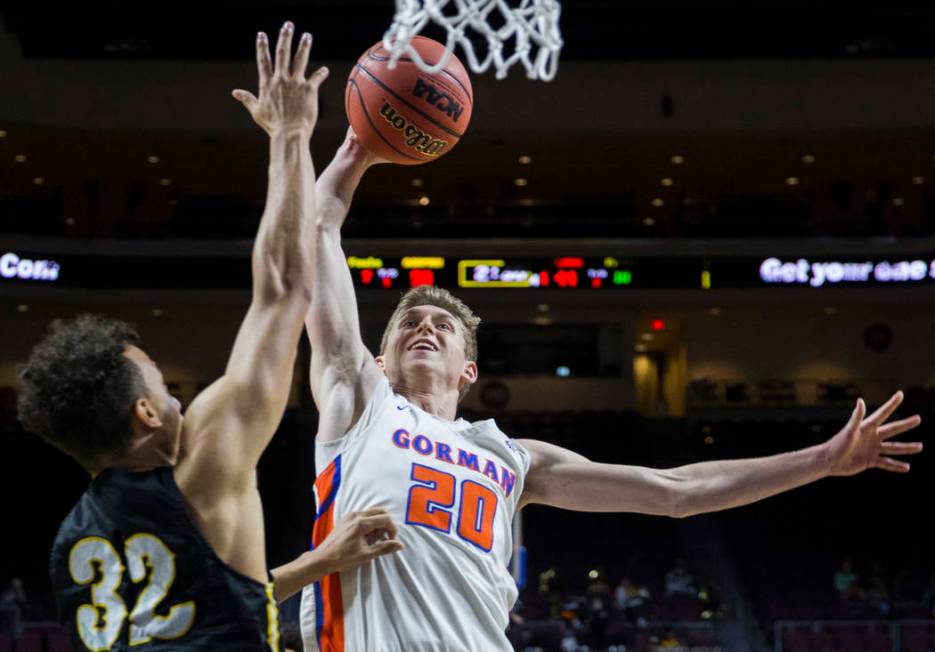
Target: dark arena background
(710, 234)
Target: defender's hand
(359, 537)
(862, 444)
(288, 101)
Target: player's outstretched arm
(343, 373)
(228, 425)
(356, 539)
(564, 479)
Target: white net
(531, 27)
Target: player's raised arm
(564, 479)
(343, 373)
(230, 423)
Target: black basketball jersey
(131, 571)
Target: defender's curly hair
(77, 389)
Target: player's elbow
(679, 499)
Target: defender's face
(167, 406)
(425, 338)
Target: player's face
(426, 338)
(167, 406)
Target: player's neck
(439, 401)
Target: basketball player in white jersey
(389, 435)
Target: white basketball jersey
(452, 489)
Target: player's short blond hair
(429, 295)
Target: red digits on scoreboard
(431, 505)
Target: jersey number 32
(100, 623)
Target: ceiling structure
(778, 99)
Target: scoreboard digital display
(562, 272)
(604, 273)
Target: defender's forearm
(292, 577)
(714, 486)
(282, 250)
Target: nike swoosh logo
(401, 407)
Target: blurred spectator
(13, 602)
(670, 641)
(847, 582)
(878, 593)
(680, 582)
(598, 605)
(633, 600)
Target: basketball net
(532, 26)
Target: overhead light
(152, 158)
(668, 181)
(69, 221)
(38, 181)
(658, 202)
(519, 183)
(20, 158)
(22, 308)
(792, 181)
(918, 181)
(808, 159)
(525, 159)
(542, 321)
(709, 440)
(641, 348)
(592, 574)
(424, 200)
(562, 371)
(648, 221)
(543, 307)
(165, 182)
(647, 337)
(831, 311)
(714, 311)
(2, 133)
(158, 312)
(678, 159)
(898, 201)
(416, 183)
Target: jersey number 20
(99, 623)
(432, 504)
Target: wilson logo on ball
(415, 137)
(439, 99)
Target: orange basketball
(406, 115)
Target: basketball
(406, 115)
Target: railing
(770, 393)
(894, 629)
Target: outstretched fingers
(264, 64)
(301, 56)
(886, 410)
(317, 78)
(283, 49)
(894, 466)
(895, 428)
(901, 448)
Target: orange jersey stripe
(331, 632)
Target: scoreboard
(563, 272)
(605, 273)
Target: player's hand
(288, 101)
(863, 443)
(353, 148)
(359, 537)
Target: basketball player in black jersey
(165, 549)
